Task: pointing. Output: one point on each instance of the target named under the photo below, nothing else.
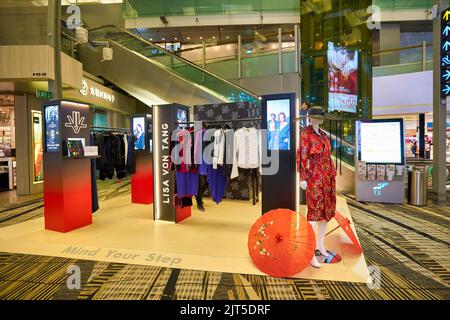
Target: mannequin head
(316, 115)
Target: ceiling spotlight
(201, 37)
(163, 39)
(228, 37)
(151, 39)
(214, 37)
(290, 35)
(189, 38)
(175, 38)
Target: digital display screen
(278, 124)
(342, 79)
(139, 133)
(182, 117)
(381, 142)
(52, 131)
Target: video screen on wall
(381, 142)
(182, 117)
(278, 124)
(342, 78)
(139, 133)
(52, 129)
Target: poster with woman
(37, 146)
(139, 133)
(342, 79)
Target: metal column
(439, 112)
(54, 41)
(422, 135)
(297, 48)
(239, 57)
(280, 51)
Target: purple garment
(187, 184)
(217, 182)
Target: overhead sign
(445, 53)
(41, 94)
(94, 91)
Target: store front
(7, 143)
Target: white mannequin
(319, 227)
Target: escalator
(154, 75)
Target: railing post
(239, 57)
(204, 54)
(297, 48)
(280, 51)
(424, 56)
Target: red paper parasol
(345, 223)
(281, 243)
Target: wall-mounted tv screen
(139, 132)
(52, 129)
(381, 141)
(278, 124)
(342, 78)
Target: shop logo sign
(84, 88)
(95, 92)
(76, 122)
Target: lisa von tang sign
(445, 53)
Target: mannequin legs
(321, 227)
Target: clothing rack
(221, 121)
(113, 129)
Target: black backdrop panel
(278, 191)
(238, 188)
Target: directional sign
(445, 53)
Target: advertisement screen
(182, 117)
(139, 133)
(381, 142)
(278, 124)
(37, 146)
(52, 129)
(342, 79)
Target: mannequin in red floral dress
(318, 177)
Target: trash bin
(417, 187)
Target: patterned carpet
(409, 245)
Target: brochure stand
(67, 176)
(165, 118)
(380, 161)
(142, 179)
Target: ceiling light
(201, 37)
(228, 37)
(163, 39)
(290, 35)
(151, 39)
(175, 38)
(189, 38)
(214, 37)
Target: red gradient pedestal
(142, 180)
(67, 195)
(183, 213)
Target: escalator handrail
(176, 57)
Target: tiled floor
(407, 246)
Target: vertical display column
(164, 123)
(142, 179)
(67, 173)
(278, 180)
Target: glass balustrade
(145, 8)
(183, 68)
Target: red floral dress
(318, 170)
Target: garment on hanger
(246, 150)
(317, 169)
(94, 194)
(219, 148)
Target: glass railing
(403, 4)
(403, 60)
(157, 8)
(181, 67)
(255, 64)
